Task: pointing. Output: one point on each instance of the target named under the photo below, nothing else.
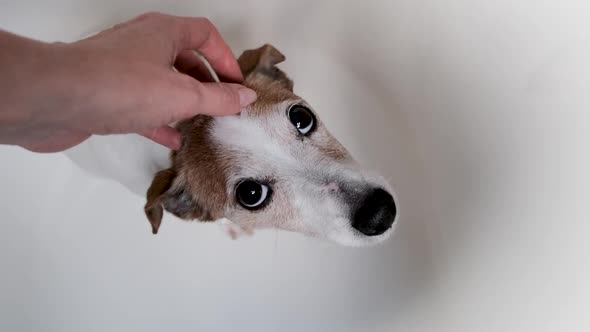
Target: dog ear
(155, 197)
(164, 194)
(262, 61)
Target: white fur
(268, 147)
(130, 160)
(263, 147)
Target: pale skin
(54, 96)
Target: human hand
(117, 82)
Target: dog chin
(354, 238)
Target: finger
(56, 141)
(200, 34)
(189, 63)
(164, 135)
(211, 98)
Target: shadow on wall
(361, 109)
(381, 138)
(365, 117)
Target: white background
(478, 112)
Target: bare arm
(54, 96)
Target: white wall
(482, 117)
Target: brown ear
(262, 61)
(155, 197)
(164, 194)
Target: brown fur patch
(274, 87)
(330, 147)
(270, 93)
(196, 166)
(195, 185)
(160, 185)
(262, 62)
(202, 166)
(261, 74)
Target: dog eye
(302, 118)
(251, 194)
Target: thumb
(216, 99)
(164, 135)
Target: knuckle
(196, 89)
(205, 22)
(205, 25)
(202, 23)
(190, 83)
(211, 28)
(150, 133)
(231, 96)
(194, 95)
(150, 16)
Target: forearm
(55, 95)
(19, 59)
(27, 90)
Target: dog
(275, 165)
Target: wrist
(29, 88)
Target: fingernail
(247, 96)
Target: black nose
(376, 213)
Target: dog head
(273, 166)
